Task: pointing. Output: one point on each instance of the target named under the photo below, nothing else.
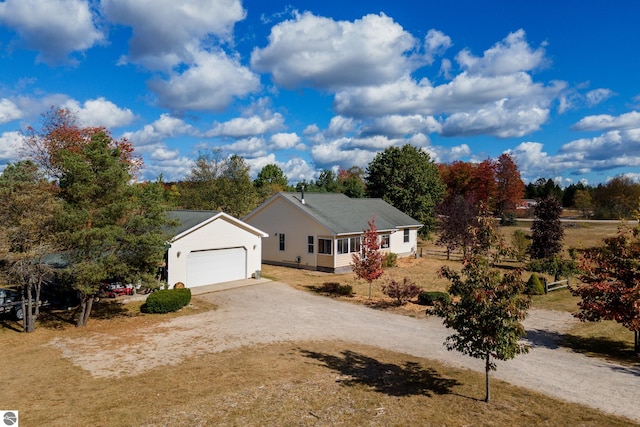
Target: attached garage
(212, 247)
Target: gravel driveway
(275, 312)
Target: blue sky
(325, 84)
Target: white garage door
(216, 266)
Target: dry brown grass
(304, 383)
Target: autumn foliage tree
(60, 132)
(610, 288)
(510, 187)
(367, 264)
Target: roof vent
(302, 190)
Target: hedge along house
(321, 231)
(211, 247)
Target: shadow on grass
(409, 379)
(106, 309)
(603, 347)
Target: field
(298, 383)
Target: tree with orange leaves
(59, 132)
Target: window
(384, 240)
(324, 246)
(343, 246)
(406, 235)
(310, 244)
(281, 241)
(354, 243)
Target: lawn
(298, 383)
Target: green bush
(336, 288)
(430, 297)
(345, 290)
(390, 260)
(534, 285)
(166, 300)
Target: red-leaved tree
(611, 282)
(367, 264)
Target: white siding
(217, 234)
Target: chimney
(302, 199)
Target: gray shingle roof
(187, 219)
(344, 215)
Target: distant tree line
(617, 199)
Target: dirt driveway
(275, 312)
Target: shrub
(330, 287)
(390, 260)
(430, 297)
(336, 288)
(508, 219)
(520, 244)
(345, 290)
(401, 291)
(166, 300)
(534, 285)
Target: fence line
(554, 286)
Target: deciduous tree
(611, 282)
(510, 187)
(408, 179)
(27, 233)
(367, 264)
(486, 312)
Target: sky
(312, 85)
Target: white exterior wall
(398, 246)
(218, 234)
(281, 217)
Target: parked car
(115, 289)
(11, 302)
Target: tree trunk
(85, 310)
(636, 345)
(487, 368)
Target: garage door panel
(216, 266)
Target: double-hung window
(406, 235)
(281, 241)
(310, 244)
(384, 240)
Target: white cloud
(9, 111)
(248, 126)
(396, 125)
(596, 96)
(54, 28)
(209, 85)
(511, 55)
(436, 43)
(612, 144)
(319, 52)
(339, 152)
(339, 125)
(100, 112)
(628, 120)
(163, 29)
(285, 141)
(165, 127)
(499, 119)
(247, 147)
(10, 145)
